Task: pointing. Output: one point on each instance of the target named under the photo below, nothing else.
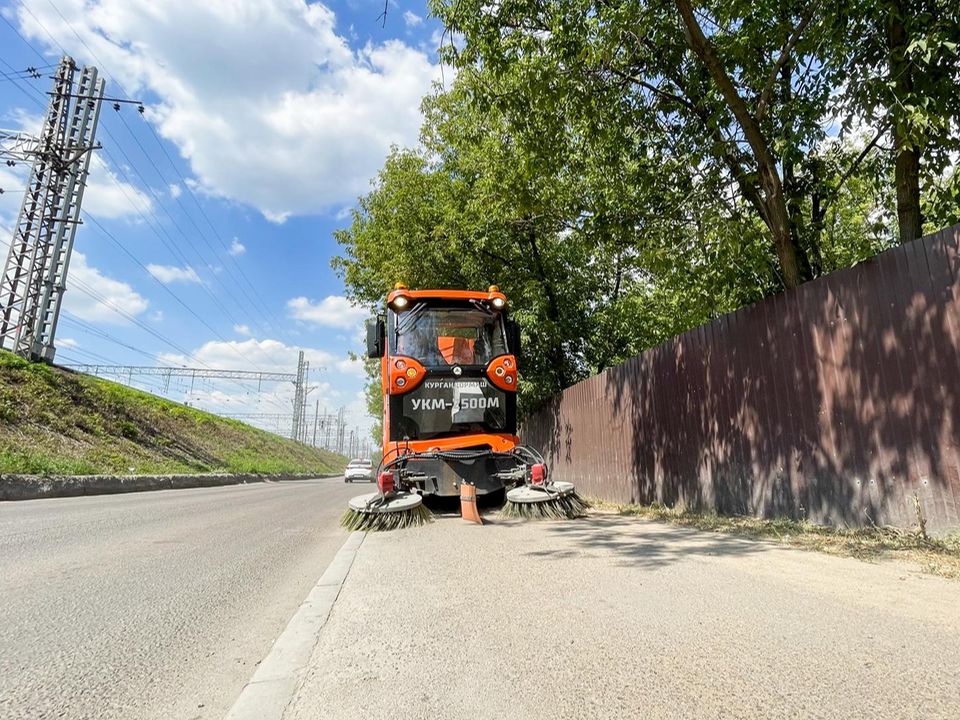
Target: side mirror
(376, 335)
(513, 335)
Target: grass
(57, 422)
(937, 556)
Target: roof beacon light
(496, 298)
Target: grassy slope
(57, 422)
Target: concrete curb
(33, 487)
(275, 682)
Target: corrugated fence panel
(838, 401)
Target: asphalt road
(615, 618)
(154, 605)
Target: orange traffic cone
(468, 503)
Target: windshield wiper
(480, 306)
(406, 321)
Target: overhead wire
(183, 182)
(119, 167)
(186, 186)
(142, 266)
(146, 270)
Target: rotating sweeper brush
(540, 498)
(388, 509)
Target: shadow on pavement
(639, 543)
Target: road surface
(154, 605)
(616, 618)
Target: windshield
(449, 335)
(360, 463)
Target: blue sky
(265, 120)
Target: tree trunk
(907, 161)
(776, 217)
(907, 174)
(553, 311)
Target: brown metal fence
(837, 402)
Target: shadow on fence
(836, 402)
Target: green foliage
(56, 422)
(129, 430)
(622, 184)
(27, 461)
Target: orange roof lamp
(449, 362)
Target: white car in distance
(359, 470)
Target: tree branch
(769, 178)
(852, 169)
(652, 88)
(782, 60)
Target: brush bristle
(382, 521)
(565, 507)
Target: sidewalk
(612, 617)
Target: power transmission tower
(35, 273)
(316, 418)
(299, 400)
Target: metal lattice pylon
(34, 275)
(299, 400)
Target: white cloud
(412, 19)
(67, 342)
(229, 397)
(156, 316)
(352, 367)
(117, 294)
(252, 354)
(242, 330)
(107, 197)
(278, 83)
(175, 191)
(171, 273)
(333, 311)
(237, 248)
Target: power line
(169, 291)
(100, 298)
(25, 41)
(183, 182)
(177, 253)
(179, 228)
(72, 320)
(189, 372)
(199, 231)
(120, 246)
(85, 289)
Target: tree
(616, 174)
(904, 79)
(739, 102)
(472, 214)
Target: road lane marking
(274, 684)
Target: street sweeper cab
(449, 380)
